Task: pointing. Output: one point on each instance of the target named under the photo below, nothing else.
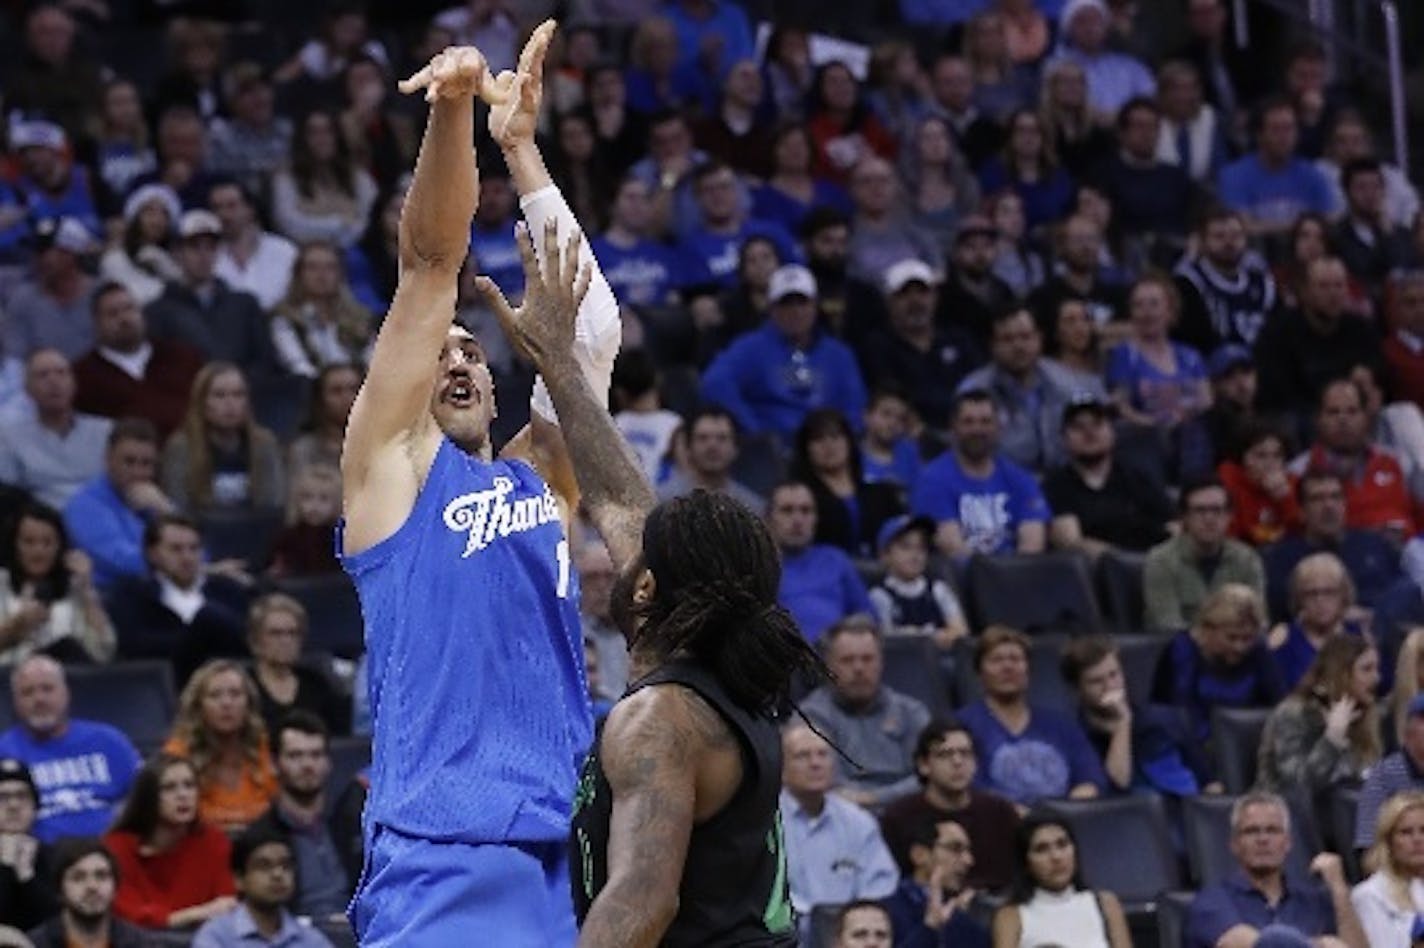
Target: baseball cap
(896, 527)
(1228, 357)
(13, 770)
(791, 280)
(1090, 402)
(911, 270)
(66, 233)
(199, 223)
(974, 225)
(36, 133)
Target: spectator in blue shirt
(264, 867)
(931, 909)
(492, 233)
(1370, 559)
(82, 769)
(819, 584)
(1113, 77)
(940, 12)
(981, 501)
(1221, 661)
(770, 379)
(1272, 186)
(711, 34)
(725, 226)
(1258, 904)
(50, 184)
(1142, 747)
(834, 850)
(1029, 753)
(106, 517)
(641, 270)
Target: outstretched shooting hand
(514, 112)
(458, 72)
(542, 328)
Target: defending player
(676, 839)
(462, 565)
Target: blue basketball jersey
(479, 704)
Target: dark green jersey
(734, 888)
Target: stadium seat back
(245, 535)
(1124, 845)
(1119, 575)
(912, 667)
(1172, 909)
(1236, 738)
(349, 756)
(138, 698)
(1045, 593)
(333, 613)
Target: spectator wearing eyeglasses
(1259, 903)
(946, 766)
(264, 866)
(1182, 571)
(931, 908)
(1373, 564)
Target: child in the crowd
(639, 413)
(887, 452)
(306, 545)
(1263, 500)
(906, 601)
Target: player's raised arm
(614, 491)
(392, 411)
(512, 124)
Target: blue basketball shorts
(416, 893)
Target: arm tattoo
(614, 491)
(651, 746)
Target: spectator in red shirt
(126, 374)
(1262, 491)
(842, 126)
(1404, 349)
(173, 868)
(1376, 494)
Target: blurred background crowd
(1072, 349)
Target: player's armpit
(650, 747)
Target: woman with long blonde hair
(220, 729)
(1327, 731)
(320, 322)
(1390, 901)
(221, 457)
(1408, 676)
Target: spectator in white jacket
(1390, 903)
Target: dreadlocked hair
(718, 573)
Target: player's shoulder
(668, 715)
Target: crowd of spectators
(974, 281)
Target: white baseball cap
(199, 223)
(791, 280)
(911, 270)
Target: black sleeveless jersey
(734, 890)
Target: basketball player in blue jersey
(461, 560)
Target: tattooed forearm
(614, 491)
(651, 745)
